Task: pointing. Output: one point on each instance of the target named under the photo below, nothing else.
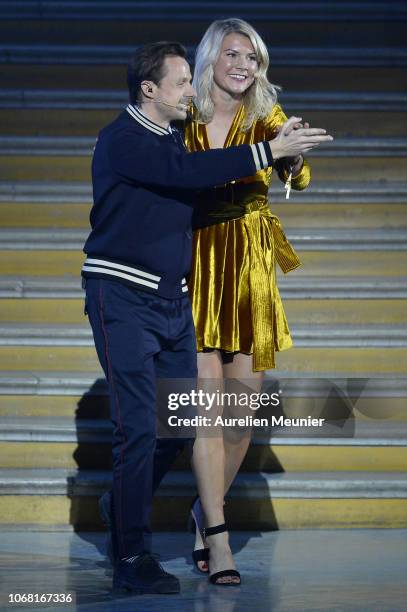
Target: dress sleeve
(301, 180)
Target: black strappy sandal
(213, 578)
(201, 554)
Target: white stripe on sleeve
(263, 154)
(255, 157)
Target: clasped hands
(294, 138)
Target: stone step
(356, 445)
(83, 146)
(305, 78)
(376, 192)
(106, 99)
(170, 11)
(343, 312)
(319, 484)
(313, 287)
(297, 213)
(24, 118)
(279, 27)
(76, 396)
(306, 239)
(76, 383)
(74, 335)
(310, 239)
(301, 213)
(79, 123)
(391, 265)
(276, 458)
(359, 163)
(357, 56)
(369, 433)
(364, 205)
(294, 214)
(351, 361)
(305, 311)
(286, 500)
(388, 405)
(70, 193)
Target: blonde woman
(238, 314)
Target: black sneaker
(144, 574)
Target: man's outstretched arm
(138, 159)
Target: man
(138, 254)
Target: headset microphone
(180, 107)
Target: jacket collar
(146, 122)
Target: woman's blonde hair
(260, 97)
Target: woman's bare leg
(236, 446)
(216, 460)
(208, 462)
(208, 452)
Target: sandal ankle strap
(208, 531)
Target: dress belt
(262, 279)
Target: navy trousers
(139, 337)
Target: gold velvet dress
(237, 240)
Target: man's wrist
(262, 155)
(275, 150)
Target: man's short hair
(147, 64)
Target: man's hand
(294, 162)
(294, 139)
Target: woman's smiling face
(237, 64)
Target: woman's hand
(293, 139)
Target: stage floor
(339, 570)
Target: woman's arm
(301, 172)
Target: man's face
(175, 89)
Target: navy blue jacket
(144, 186)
